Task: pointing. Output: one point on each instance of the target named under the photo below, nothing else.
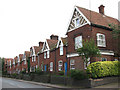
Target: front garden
(97, 73)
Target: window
(77, 22)
(101, 40)
(32, 58)
(51, 66)
(104, 59)
(78, 42)
(48, 54)
(60, 65)
(61, 50)
(85, 66)
(44, 55)
(72, 64)
(24, 60)
(42, 67)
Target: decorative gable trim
(77, 14)
(58, 43)
(45, 45)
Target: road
(13, 83)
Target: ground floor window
(88, 62)
(72, 64)
(42, 67)
(103, 59)
(60, 63)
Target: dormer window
(48, 54)
(44, 55)
(61, 50)
(101, 40)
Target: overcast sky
(23, 23)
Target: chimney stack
(54, 37)
(101, 9)
(41, 44)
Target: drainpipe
(55, 59)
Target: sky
(23, 23)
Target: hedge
(103, 69)
(78, 74)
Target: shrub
(61, 73)
(23, 72)
(39, 71)
(103, 69)
(14, 75)
(78, 74)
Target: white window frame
(44, 55)
(51, 66)
(48, 54)
(60, 65)
(42, 67)
(72, 63)
(104, 58)
(78, 42)
(87, 63)
(61, 50)
(32, 58)
(101, 40)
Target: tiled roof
(37, 49)
(64, 40)
(52, 43)
(27, 53)
(97, 18)
(20, 56)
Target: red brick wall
(85, 31)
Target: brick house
(26, 55)
(9, 65)
(87, 24)
(53, 54)
(59, 54)
(84, 24)
(19, 63)
(34, 58)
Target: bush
(23, 72)
(14, 75)
(78, 74)
(103, 69)
(39, 71)
(61, 73)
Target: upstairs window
(32, 58)
(61, 50)
(101, 40)
(51, 66)
(60, 65)
(48, 54)
(78, 42)
(44, 55)
(77, 22)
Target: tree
(116, 36)
(115, 30)
(88, 50)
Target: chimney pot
(101, 9)
(54, 37)
(41, 44)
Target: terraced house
(59, 54)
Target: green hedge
(78, 74)
(103, 69)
